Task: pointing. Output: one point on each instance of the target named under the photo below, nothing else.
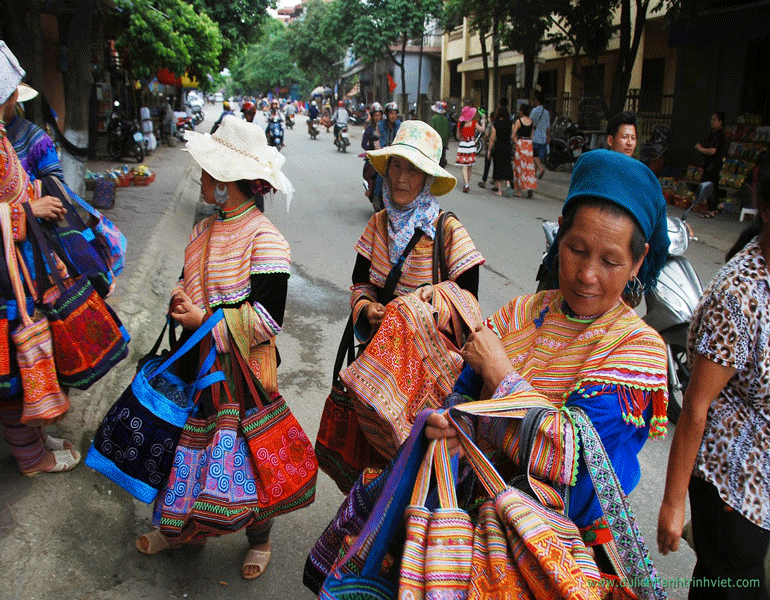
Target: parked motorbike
(182, 123)
(197, 115)
(342, 141)
(275, 132)
(312, 128)
(670, 303)
(567, 144)
(369, 179)
(651, 153)
(124, 136)
(290, 121)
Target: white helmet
(313, 103)
(376, 106)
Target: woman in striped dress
(524, 162)
(236, 260)
(466, 150)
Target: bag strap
(440, 269)
(171, 336)
(628, 541)
(202, 331)
(52, 183)
(44, 256)
(347, 346)
(11, 261)
(388, 290)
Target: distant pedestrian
(500, 148)
(466, 150)
(541, 134)
(524, 163)
(713, 149)
(440, 123)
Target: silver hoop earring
(220, 194)
(634, 292)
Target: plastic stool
(748, 211)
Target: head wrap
(11, 72)
(628, 183)
(421, 213)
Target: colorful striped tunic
(612, 366)
(459, 249)
(242, 244)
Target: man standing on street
(440, 123)
(541, 134)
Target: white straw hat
(11, 72)
(238, 150)
(26, 92)
(421, 145)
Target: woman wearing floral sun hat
(412, 178)
(236, 260)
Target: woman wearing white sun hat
(246, 270)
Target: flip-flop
(156, 542)
(65, 460)
(256, 558)
(541, 174)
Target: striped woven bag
(436, 563)
(44, 400)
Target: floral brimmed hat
(238, 150)
(421, 145)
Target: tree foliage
(240, 21)
(524, 31)
(373, 27)
(314, 45)
(168, 34)
(266, 64)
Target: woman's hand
(485, 354)
(424, 293)
(437, 427)
(670, 523)
(185, 312)
(374, 313)
(48, 207)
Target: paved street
(71, 535)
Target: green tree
(170, 34)
(373, 27)
(266, 64)
(524, 31)
(240, 21)
(314, 45)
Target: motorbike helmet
(376, 106)
(391, 106)
(340, 103)
(314, 103)
(225, 105)
(248, 107)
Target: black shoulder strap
(395, 273)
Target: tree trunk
(627, 52)
(419, 76)
(77, 89)
(495, 57)
(529, 74)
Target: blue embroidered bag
(135, 443)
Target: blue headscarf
(631, 185)
(421, 213)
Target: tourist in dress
(500, 149)
(467, 127)
(524, 164)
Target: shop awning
(354, 91)
(506, 59)
(356, 68)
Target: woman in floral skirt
(466, 151)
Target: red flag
(391, 83)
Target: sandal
(482, 184)
(255, 558)
(541, 174)
(52, 443)
(465, 189)
(154, 542)
(64, 460)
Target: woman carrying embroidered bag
(34, 451)
(239, 261)
(581, 349)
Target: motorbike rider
(621, 133)
(312, 111)
(249, 109)
(290, 110)
(340, 118)
(226, 110)
(273, 115)
(389, 125)
(368, 141)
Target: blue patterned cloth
(421, 213)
